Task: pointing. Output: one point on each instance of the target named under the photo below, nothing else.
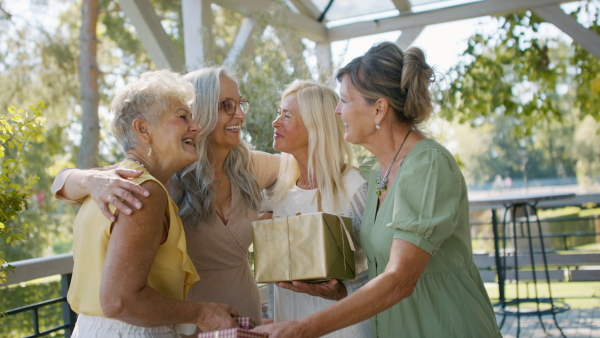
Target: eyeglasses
(230, 106)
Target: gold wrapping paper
(311, 247)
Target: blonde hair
(328, 152)
(146, 98)
(196, 202)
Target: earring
(377, 127)
(149, 151)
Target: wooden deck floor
(575, 323)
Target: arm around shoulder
(265, 167)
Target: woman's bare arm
(407, 263)
(73, 185)
(124, 294)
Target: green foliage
(587, 76)
(520, 71)
(18, 130)
(267, 73)
(522, 96)
(21, 325)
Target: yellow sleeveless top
(172, 273)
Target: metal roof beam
(587, 38)
(408, 36)
(307, 7)
(402, 5)
(454, 13)
(153, 36)
(306, 27)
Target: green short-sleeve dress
(427, 205)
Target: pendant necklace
(382, 181)
(220, 181)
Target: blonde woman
(316, 175)
(415, 229)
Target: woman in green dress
(415, 230)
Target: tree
(516, 82)
(519, 71)
(88, 74)
(267, 72)
(18, 130)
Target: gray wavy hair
(196, 202)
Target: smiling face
(290, 135)
(227, 132)
(358, 116)
(176, 130)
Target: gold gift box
(311, 247)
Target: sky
(443, 43)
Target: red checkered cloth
(232, 333)
(245, 324)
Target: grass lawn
(579, 295)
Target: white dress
(290, 305)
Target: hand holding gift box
(311, 247)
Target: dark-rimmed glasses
(230, 106)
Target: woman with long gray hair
(218, 196)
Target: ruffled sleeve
(427, 195)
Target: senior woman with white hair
(316, 175)
(131, 275)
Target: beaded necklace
(382, 181)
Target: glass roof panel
(344, 9)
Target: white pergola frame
(199, 42)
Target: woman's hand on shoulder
(332, 289)
(113, 187)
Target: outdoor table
(511, 203)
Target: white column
(197, 33)
(154, 38)
(323, 53)
(241, 42)
(408, 36)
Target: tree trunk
(88, 73)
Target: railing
(31, 269)
(62, 265)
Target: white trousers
(99, 327)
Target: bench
(574, 267)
